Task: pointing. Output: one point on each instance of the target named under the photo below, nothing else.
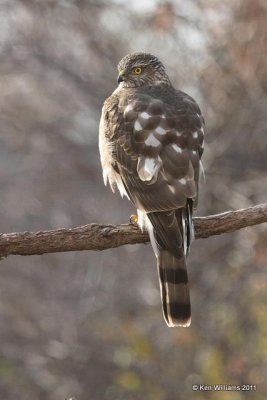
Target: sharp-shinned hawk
(151, 143)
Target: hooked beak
(121, 76)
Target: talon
(133, 219)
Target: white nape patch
(144, 115)
(152, 141)
(160, 131)
(195, 134)
(182, 181)
(137, 126)
(177, 133)
(128, 108)
(194, 152)
(176, 148)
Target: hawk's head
(141, 69)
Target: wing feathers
(167, 231)
(148, 168)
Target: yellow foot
(134, 219)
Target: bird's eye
(137, 70)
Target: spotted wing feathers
(165, 140)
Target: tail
(171, 233)
(174, 289)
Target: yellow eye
(137, 70)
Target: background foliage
(87, 324)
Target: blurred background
(89, 325)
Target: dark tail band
(174, 289)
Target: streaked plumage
(151, 142)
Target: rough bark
(101, 237)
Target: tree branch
(101, 237)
